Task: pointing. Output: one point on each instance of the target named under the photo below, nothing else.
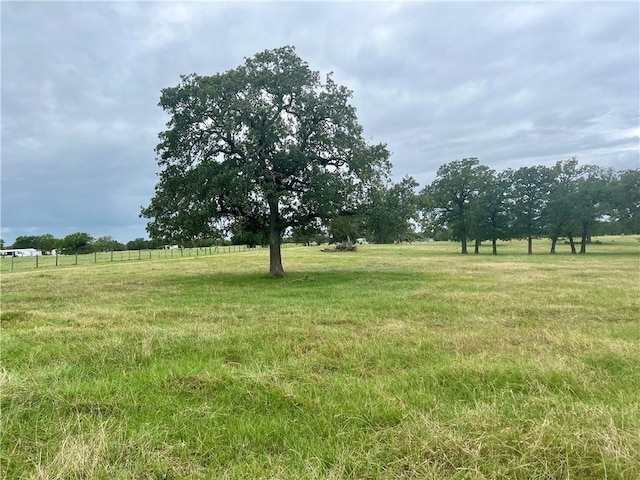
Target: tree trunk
(463, 236)
(494, 246)
(476, 247)
(275, 240)
(585, 237)
(573, 244)
(554, 240)
(529, 245)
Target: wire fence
(10, 263)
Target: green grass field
(399, 361)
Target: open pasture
(399, 361)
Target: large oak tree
(489, 212)
(528, 189)
(456, 186)
(561, 210)
(264, 147)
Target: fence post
(36, 261)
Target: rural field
(393, 362)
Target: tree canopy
(456, 185)
(79, 242)
(528, 191)
(261, 148)
(469, 200)
(390, 211)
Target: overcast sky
(511, 83)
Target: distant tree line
(81, 242)
(467, 202)
(471, 203)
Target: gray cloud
(511, 83)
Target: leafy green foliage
(346, 228)
(308, 234)
(108, 244)
(456, 186)
(489, 212)
(261, 148)
(78, 242)
(561, 209)
(390, 211)
(592, 200)
(528, 192)
(468, 200)
(44, 243)
(143, 244)
(625, 201)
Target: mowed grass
(403, 361)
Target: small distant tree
(78, 242)
(25, 241)
(346, 228)
(45, 242)
(107, 244)
(308, 234)
(138, 244)
(390, 211)
(198, 242)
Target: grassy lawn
(399, 361)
